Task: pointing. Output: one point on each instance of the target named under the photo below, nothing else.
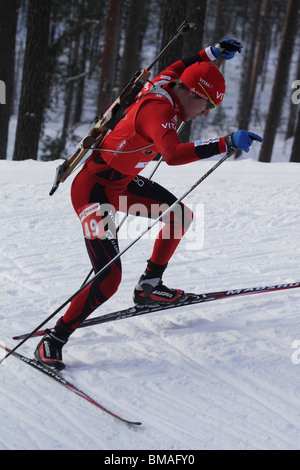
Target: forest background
(62, 63)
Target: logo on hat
(202, 95)
(204, 82)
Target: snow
(222, 375)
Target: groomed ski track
(215, 376)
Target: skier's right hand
(241, 140)
(227, 49)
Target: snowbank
(215, 376)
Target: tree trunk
(260, 47)
(193, 42)
(109, 55)
(279, 86)
(133, 41)
(69, 94)
(175, 11)
(32, 101)
(8, 24)
(251, 64)
(81, 82)
(295, 155)
(222, 20)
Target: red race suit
(109, 182)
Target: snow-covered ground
(222, 375)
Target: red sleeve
(176, 69)
(156, 122)
(172, 72)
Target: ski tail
(70, 386)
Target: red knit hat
(206, 81)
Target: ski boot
(49, 350)
(151, 291)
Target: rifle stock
(107, 122)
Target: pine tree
(279, 86)
(109, 55)
(133, 41)
(295, 155)
(8, 24)
(32, 101)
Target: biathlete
(109, 182)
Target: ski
(60, 379)
(191, 299)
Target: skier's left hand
(227, 49)
(241, 140)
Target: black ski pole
(121, 253)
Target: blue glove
(241, 140)
(227, 49)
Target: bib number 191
(92, 224)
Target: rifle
(112, 116)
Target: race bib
(92, 223)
